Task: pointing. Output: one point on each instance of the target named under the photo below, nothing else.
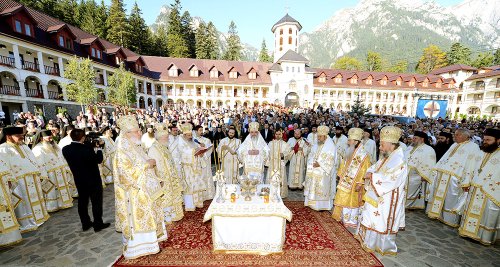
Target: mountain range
(397, 29)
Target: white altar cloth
(248, 226)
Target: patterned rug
(312, 239)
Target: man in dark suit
(266, 133)
(83, 161)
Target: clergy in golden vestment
(167, 172)
(9, 227)
(321, 173)
(383, 213)
(205, 160)
(453, 174)
(279, 155)
(481, 218)
(108, 151)
(226, 151)
(298, 161)
(31, 211)
(421, 160)
(136, 191)
(351, 173)
(254, 153)
(50, 157)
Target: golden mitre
(186, 127)
(390, 134)
(254, 126)
(161, 129)
(323, 130)
(128, 123)
(355, 134)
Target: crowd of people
(367, 170)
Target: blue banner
(429, 108)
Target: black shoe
(87, 227)
(100, 227)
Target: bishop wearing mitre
(57, 193)
(482, 213)
(108, 151)
(157, 149)
(226, 151)
(453, 175)
(298, 160)
(383, 213)
(421, 160)
(31, 210)
(280, 152)
(137, 189)
(253, 153)
(319, 190)
(351, 173)
(194, 186)
(9, 233)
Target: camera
(93, 139)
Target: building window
(498, 83)
(322, 79)
(425, 83)
(293, 69)
(290, 31)
(438, 85)
(478, 96)
(281, 31)
(138, 68)
(193, 72)
(281, 48)
(61, 41)
(369, 81)
(233, 74)
(354, 80)
(93, 52)
(69, 44)
(497, 95)
(290, 40)
(383, 82)
(281, 40)
(252, 75)
(411, 83)
(480, 85)
(27, 28)
(287, 69)
(398, 82)
(214, 73)
(172, 72)
(118, 60)
(18, 26)
(338, 79)
(99, 54)
(494, 110)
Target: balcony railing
(34, 93)
(27, 65)
(99, 80)
(7, 61)
(51, 70)
(55, 95)
(158, 92)
(9, 90)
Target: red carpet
(312, 239)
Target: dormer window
(398, 82)
(322, 79)
(383, 82)
(61, 41)
(425, 83)
(354, 80)
(252, 75)
(411, 83)
(173, 72)
(118, 60)
(214, 73)
(19, 27)
(438, 85)
(369, 81)
(99, 55)
(93, 54)
(338, 79)
(27, 29)
(138, 68)
(193, 72)
(233, 74)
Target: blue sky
(255, 18)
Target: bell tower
(286, 36)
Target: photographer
(83, 160)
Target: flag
(429, 108)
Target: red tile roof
(452, 68)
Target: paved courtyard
(60, 242)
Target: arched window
(281, 40)
(290, 31)
(290, 40)
(281, 31)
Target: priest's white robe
(205, 162)
(9, 227)
(421, 161)
(383, 213)
(57, 192)
(312, 138)
(481, 219)
(106, 167)
(278, 164)
(31, 211)
(191, 172)
(454, 171)
(298, 163)
(253, 165)
(228, 161)
(320, 184)
(341, 146)
(371, 147)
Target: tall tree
(176, 45)
(139, 32)
(189, 35)
(483, 60)
(264, 54)
(82, 88)
(201, 41)
(212, 44)
(432, 58)
(458, 54)
(496, 57)
(347, 63)
(121, 87)
(117, 24)
(233, 51)
(89, 23)
(69, 11)
(160, 42)
(373, 61)
(101, 20)
(399, 67)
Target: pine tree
(358, 108)
(160, 42)
(399, 67)
(264, 54)
(176, 45)
(347, 63)
(458, 54)
(89, 23)
(432, 58)
(373, 61)
(189, 35)
(101, 20)
(201, 41)
(212, 44)
(233, 51)
(496, 57)
(139, 32)
(117, 24)
(483, 60)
